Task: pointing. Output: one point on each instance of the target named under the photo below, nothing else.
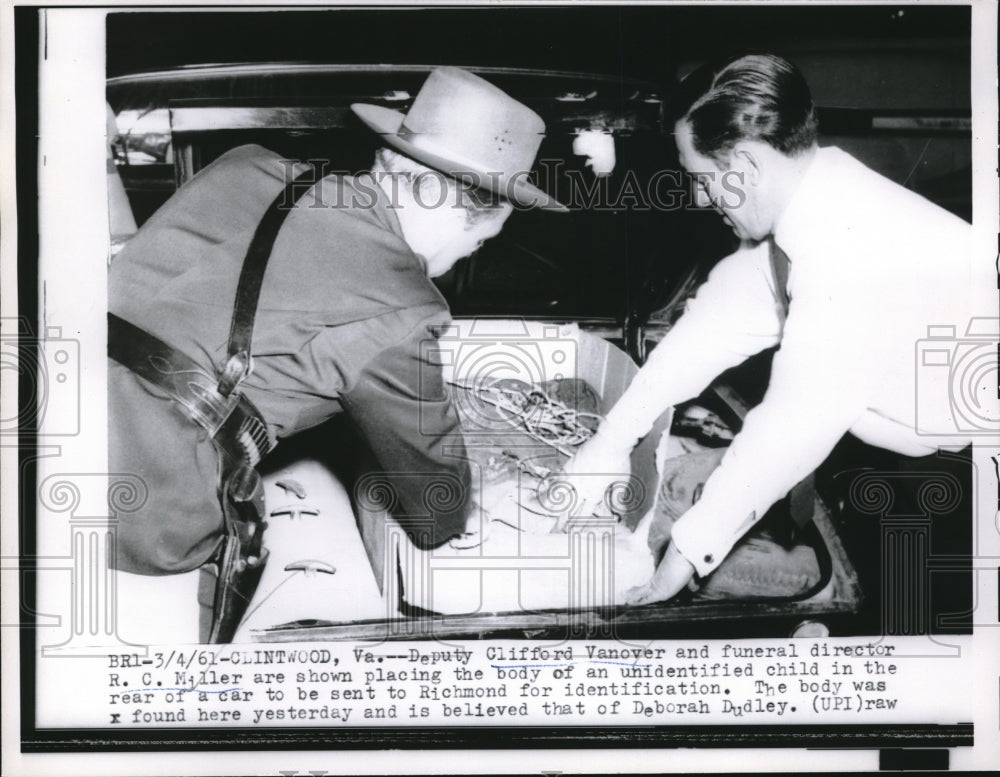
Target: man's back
(341, 283)
(873, 265)
(341, 289)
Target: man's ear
(746, 159)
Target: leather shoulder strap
(238, 364)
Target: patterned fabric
(758, 567)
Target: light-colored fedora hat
(469, 129)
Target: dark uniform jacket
(344, 324)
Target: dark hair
(753, 97)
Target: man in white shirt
(870, 265)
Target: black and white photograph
(550, 385)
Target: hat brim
(386, 122)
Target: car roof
(605, 101)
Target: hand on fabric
(673, 573)
(595, 468)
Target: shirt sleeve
(816, 393)
(401, 408)
(733, 316)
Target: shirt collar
(366, 191)
(798, 221)
(382, 206)
(389, 216)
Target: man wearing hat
(259, 302)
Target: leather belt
(233, 422)
(235, 426)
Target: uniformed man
(258, 302)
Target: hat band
(458, 163)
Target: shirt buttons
(709, 558)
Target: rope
(536, 413)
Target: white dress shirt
(873, 265)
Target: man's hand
(592, 471)
(673, 573)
